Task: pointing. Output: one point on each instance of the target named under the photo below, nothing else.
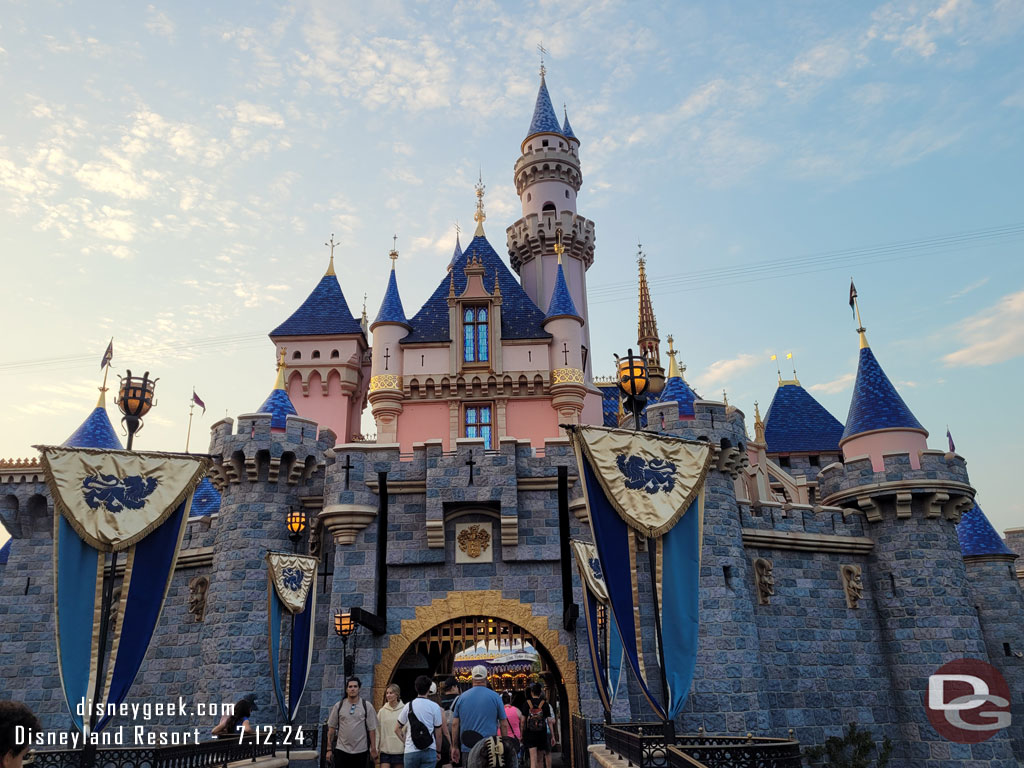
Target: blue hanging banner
(604, 642)
(290, 580)
(137, 505)
(640, 483)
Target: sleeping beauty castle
(841, 565)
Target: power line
(787, 267)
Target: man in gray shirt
(352, 729)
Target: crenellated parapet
(535, 234)
(939, 488)
(256, 453)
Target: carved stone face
(765, 580)
(853, 584)
(197, 589)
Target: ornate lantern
(345, 628)
(633, 379)
(296, 521)
(135, 398)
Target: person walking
(420, 717)
(352, 729)
(392, 739)
(477, 714)
(17, 726)
(539, 721)
(449, 693)
(513, 715)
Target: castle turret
(564, 324)
(390, 327)
(911, 499)
(1000, 604)
(879, 421)
(272, 461)
(326, 349)
(548, 178)
(676, 389)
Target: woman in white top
(392, 739)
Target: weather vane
(543, 51)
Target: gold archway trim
(482, 603)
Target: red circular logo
(968, 701)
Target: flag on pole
(196, 399)
(108, 355)
(949, 437)
(853, 296)
(774, 357)
(789, 355)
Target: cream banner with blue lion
(290, 590)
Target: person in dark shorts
(539, 720)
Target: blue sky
(170, 172)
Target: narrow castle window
(296, 355)
(316, 354)
(529, 197)
(567, 194)
(814, 461)
(478, 422)
(544, 142)
(784, 462)
(549, 207)
(335, 354)
(475, 340)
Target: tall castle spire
(647, 327)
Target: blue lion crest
(652, 476)
(117, 494)
(595, 567)
(291, 577)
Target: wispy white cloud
(834, 386)
(994, 335)
(968, 288)
(159, 23)
(257, 114)
(721, 372)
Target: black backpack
(422, 738)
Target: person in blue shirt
(477, 714)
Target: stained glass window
(478, 422)
(475, 348)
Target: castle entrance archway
(451, 633)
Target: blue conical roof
(520, 317)
(391, 310)
(457, 254)
(876, 404)
(797, 423)
(544, 119)
(95, 432)
(567, 129)
(279, 405)
(676, 390)
(324, 313)
(978, 537)
(561, 301)
(205, 500)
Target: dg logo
(968, 701)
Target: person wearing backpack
(352, 730)
(535, 729)
(421, 720)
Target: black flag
(853, 296)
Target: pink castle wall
(875, 444)
(531, 420)
(331, 411)
(420, 422)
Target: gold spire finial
(725, 397)
(330, 267)
(641, 260)
(281, 366)
(394, 252)
(758, 425)
(673, 366)
(543, 50)
(860, 324)
(559, 248)
(479, 216)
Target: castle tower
(271, 462)
(564, 324)
(647, 338)
(676, 389)
(911, 499)
(388, 329)
(1000, 605)
(548, 179)
(327, 357)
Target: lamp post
(135, 398)
(296, 521)
(344, 627)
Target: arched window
(567, 194)
(296, 355)
(334, 354)
(474, 329)
(316, 354)
(548, 207)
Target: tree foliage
(854, 749)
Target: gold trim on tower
(385, 381)
(566, 376)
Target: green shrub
(852, 750)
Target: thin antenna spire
(480, 216)
(394, 252)
(543, 51)
(331, 244)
